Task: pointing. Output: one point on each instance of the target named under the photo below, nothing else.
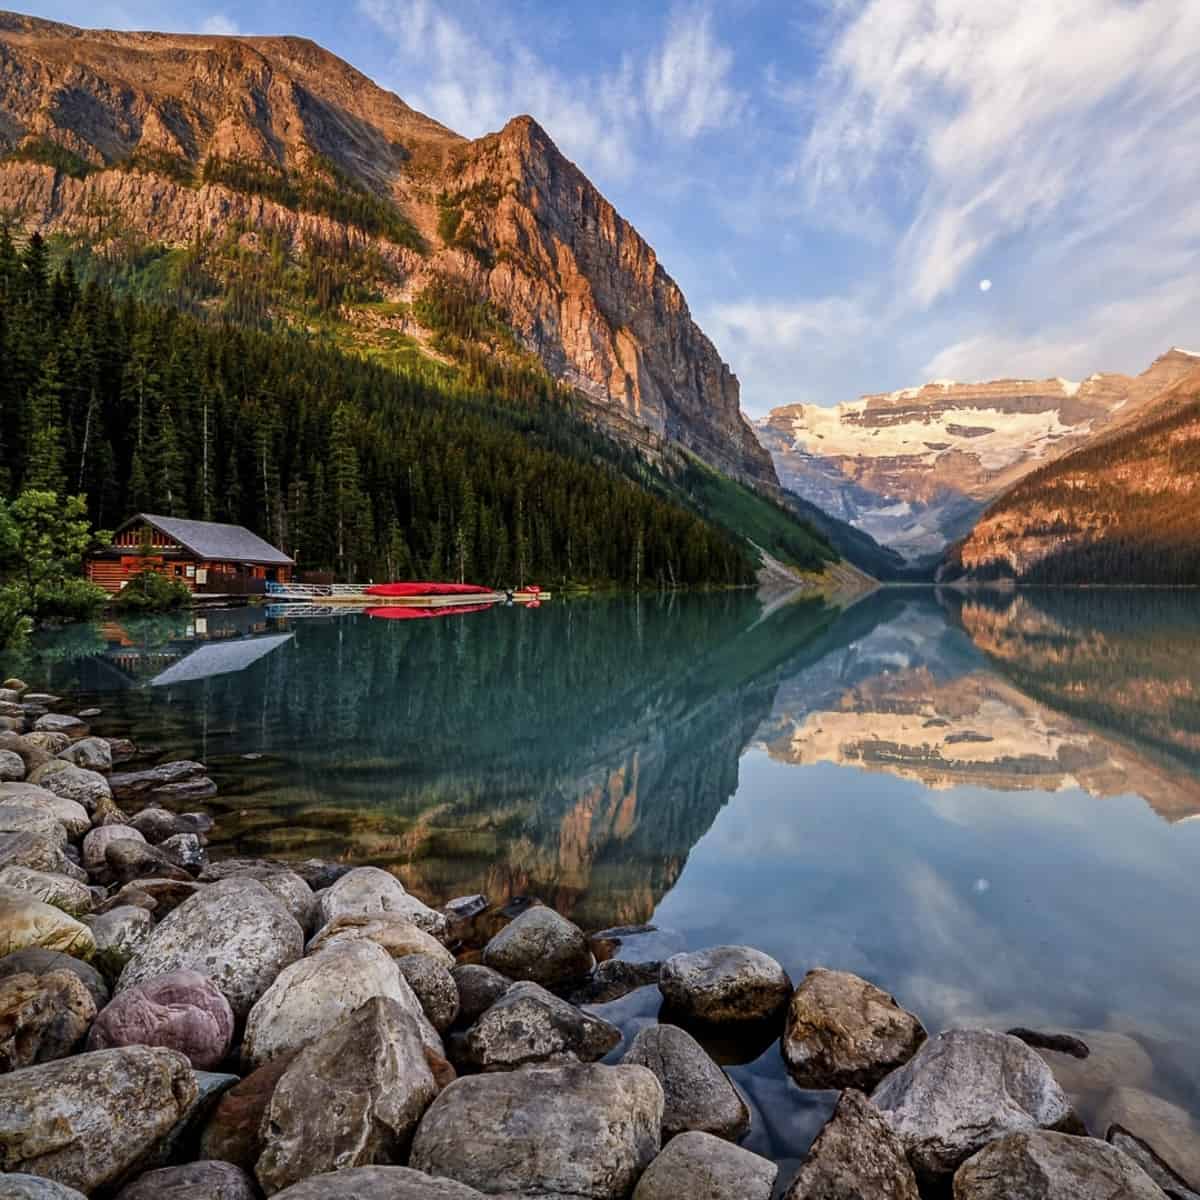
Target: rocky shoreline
(174, 1027)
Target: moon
(985, 285)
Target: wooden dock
(352, 595)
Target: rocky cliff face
(507, 216)
(915, 468)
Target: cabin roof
(215, 542)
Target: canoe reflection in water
(395, 613)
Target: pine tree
(45, 467)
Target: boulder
(26, 748)
(433, 986)
(85, 787)
(367, 890)
(397, 935)
(233, 1132)
(73, 897)
(122, 749)
(91, 752)
(182, 1011)
(1161, 1171)
(313, 995)
(130, 785)
(1052, 1166)
(379, 1183)
(17, 686)
(179, 1144)
(235, 932)
(614, 979)
(126, 859)
(286, 886)
(38, 854)
(156, 895)
(26, 922)
(530, 1025)
(1168, 1129)
(119, 934)
(185, 850)
(42, 1017)
(856, 1155)
(73, 727)
(157, 824)
(352, 1098)
(70, 814)
(96, 844)
(844, 1032)
(319, 873)
(12, 766)
(699, 1166)
(966, 1088)
(698, 1094)
(16, 818)
(205, 1180)
(33, 1187)
(540, 946)
(724, 985)
(41, 698)
(479, 987)
(580, 1131)
(85, 1121)
(52, 743)
(38, 961)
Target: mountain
(266, 178)
(1124, 508)
(915, 468)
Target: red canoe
(409, 613)
(425, 589)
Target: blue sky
(856, 195)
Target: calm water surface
(987, 805)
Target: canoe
(417, 588)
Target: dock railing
(308, 592)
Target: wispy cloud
(687, 81)
(220, 24)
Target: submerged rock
(540, 946)
(129, 785)
(1161, 1171)
(193, 1181)
(1052, 1166)
(856, 1156)
(235, 932)
(614, 979)
(531, 1025)
(1168, 1129)
(85, 1121)
(42, 1017)
(698, 1166)
(845, 1032)
(587, 1132)
(725, 984)
(698, 1094)
(966, 1088)
(351, 1098)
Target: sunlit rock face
(577, 284)
(915, 468)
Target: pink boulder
(181, 1011)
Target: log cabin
(203, 555)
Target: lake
(985, 803)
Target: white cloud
(221, 25)
(687, 81)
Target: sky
(855, 195)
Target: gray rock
(1052, 1166)
(157, 824)
(85, 787)
(73, 897)
(12, 766)
(26, 922)
(319, 873)
(313, 995)
(235, 932)
(433, 986)
(73, 727)
(19, 819)
(352, 1098)
(17, 686)
(540, 946)
(91, 752)
(397, 935)
(585, 1132)
(38, 854)
(42, 1017)
(379, 1183)
(85, 1121)
(45, 698)
(698, 1095)
(726, 984)
(26, 748)
(613, 979)
(185, 850)
(129, 785)
(465, 908)
(33, 1187)
(233, 1132)
(530, 1025)
(52, 743)
(1168, 1129)
(181, 1011)
(193, 1181)
(179, 1144)
(1161, 1171)
(95, 845)
(479, 987)
(126, 860)
(70, 814)
(159, 896)
(119, 934)
(368, 890)
(295, 895)
(855, 1157)
(699, 1166)
(845, 1032)
(966, 1088)
(123, 750)
(38, 961)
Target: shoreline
(261, 984)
